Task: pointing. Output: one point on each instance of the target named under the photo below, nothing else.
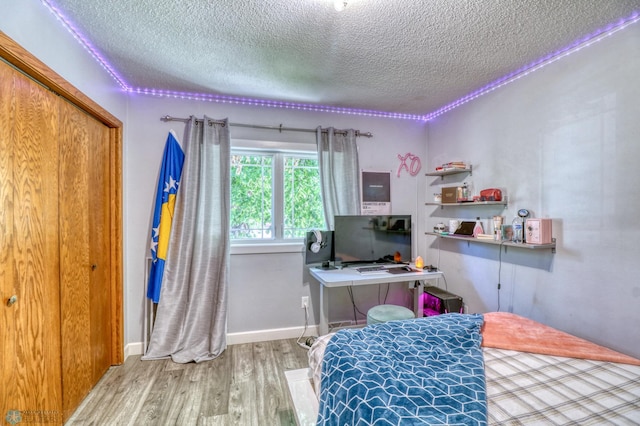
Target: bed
(467, 369)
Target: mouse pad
(401, 270)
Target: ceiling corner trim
(267, 103)
(84, 41)
(208, 97)
(66, 23)
(540, 63)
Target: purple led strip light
(540, 63)
(274, 104)
(85, 43)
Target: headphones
(318, 243)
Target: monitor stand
(326, 266)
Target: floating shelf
(443, 173)
(470, 203)
(551, 246)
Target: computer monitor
(372, 239)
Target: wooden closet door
(30, 327)
(84, 254)
(100, 247)
(75, 266)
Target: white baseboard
(137, 348)
(273, 334)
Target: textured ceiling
(406, 56)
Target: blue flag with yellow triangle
(170, 172)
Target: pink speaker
(538, 231)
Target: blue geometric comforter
(423, 371)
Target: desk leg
(417, 299)
(323, 327)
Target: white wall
(564, 143)
(265, 287)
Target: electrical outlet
(304, 302)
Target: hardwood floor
(244, 386)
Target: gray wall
(564, 142)
(266, 283)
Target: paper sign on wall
(376, 193)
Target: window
(275, 195)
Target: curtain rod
(257, 126)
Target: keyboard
(371, 269)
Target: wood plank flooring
(244, 386)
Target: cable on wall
(499, 272)
(310, 339)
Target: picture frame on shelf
(507, 232)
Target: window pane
(251, 196)
(302, 200)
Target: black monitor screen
(372, 239)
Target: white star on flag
(172, 184)
(154, 245)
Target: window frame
(278, 150)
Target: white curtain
(191, 320)
(339, 172)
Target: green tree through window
(274, 195)
(302, 199)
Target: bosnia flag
(168, 182)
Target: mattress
(527, 389)
(525, 385)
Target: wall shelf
(506, 244)
(443, 173)
(470, 203)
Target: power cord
(310, 339)
(355, 308)
(385, 295)
(499, 273)
(446, 284)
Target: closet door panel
(75, 266)
(99, 247)
(29, 196)
(7, 201)
(85, 262)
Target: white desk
(350, 277)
